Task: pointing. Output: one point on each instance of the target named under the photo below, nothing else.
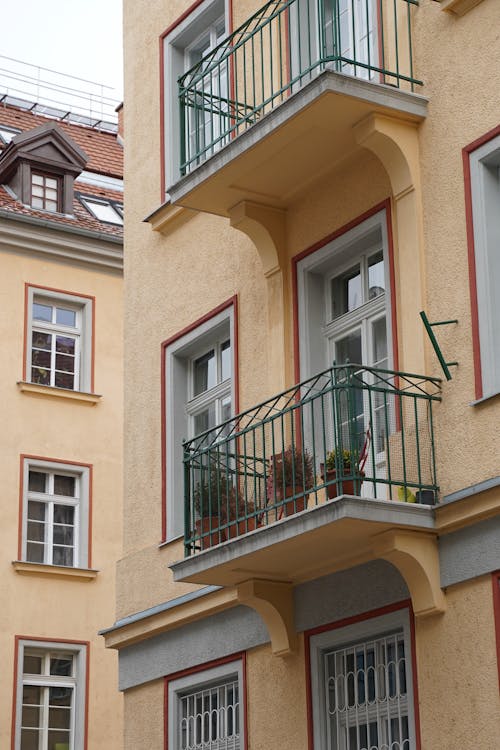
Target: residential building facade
(312, 508)
(61, 250)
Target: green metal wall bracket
(428, 327)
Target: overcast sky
(78, 37)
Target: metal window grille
(210, 718)
(366, 695)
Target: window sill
(90, 399)
(28, 568)
(459, 7)
(483, 399)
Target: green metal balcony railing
(350, 430)
(278, 50)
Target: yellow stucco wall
(145, 704)
(50, 606)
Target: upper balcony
(274, 106)
(259, 503)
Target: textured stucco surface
(146, 706)
(51, 606)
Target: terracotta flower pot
(349, 486)
(239, 528)
(208, 532)
(291, 507)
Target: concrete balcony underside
(299, 142)
(329, 537)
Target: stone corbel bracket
(416, 557)
(273, 600)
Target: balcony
(308, 481)
(274, 105)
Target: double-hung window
(205, 710)
(362, 686)
(50, 698)
(59, 340)
(55, 513)
(199, 395)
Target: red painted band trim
(471, 256)
(232, 302)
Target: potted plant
(290, 474)
(238, 515)
(350, 469)
(210, 498)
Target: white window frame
(175, 46)
(485, 193)
(354, 634)
(77, 682)
(82, 332)
(116, 208)
(80, 503)
(178, 358)
(223, 673)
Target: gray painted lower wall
(470, 552)
(322, 601)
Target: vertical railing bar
(294, 458)
(417, 444)
(433, 452)
(396, 40)
(368, 38)
(410, 48)
(280, 33)
(403, 450)
(354, 55)
(382, 41)
(388, 448)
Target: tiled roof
(82, 219)
(102, 148)
(105, 157)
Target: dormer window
(45, 192)
(104, 210)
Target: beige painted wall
(51, 606)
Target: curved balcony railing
(350, 430)
(280, 48)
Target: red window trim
(383, 206)
(471, 254)
(371, 614)
(239, 656)
(495, 580)
(28, 457)
(91, 298)
(232, 302)
(62, 641)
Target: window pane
(63, 535)
(346, 292)
(226, 363)
(204, 420)
(39, 376)
(40, 358)
(379, 343)
(36, 179)
(376, 279)
(65, 317)
(65, 345)
(36, 531)
(32, 664)
(34, 552)
(204, 373)
(50, 205)
(65, 363)
(62, 666)
(60, 696)
(29, 739)
(37, 202)
(64, 380)
(63, 556)
(51, 183)
(41, 340)
(348, 349)
(30, 716)
(36, 482)
(58, 740)
(64, 513)
(42, 312)
(59, 718)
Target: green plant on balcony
(290, 475)
(211, 496)
(349, 468)
(238, 514)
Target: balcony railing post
(188, 515)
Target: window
(55, 513)
(50, 698)
(104, 210)
(45, 192)
(59, 340)
(7, 134)
(205, 710)
(199, 394)
(184, 46)
(361, 678)
(483, 162)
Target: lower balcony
(312, 480)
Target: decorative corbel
(273, 600)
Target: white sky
(77, 37)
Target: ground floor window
(205, 709)
(362, 686)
